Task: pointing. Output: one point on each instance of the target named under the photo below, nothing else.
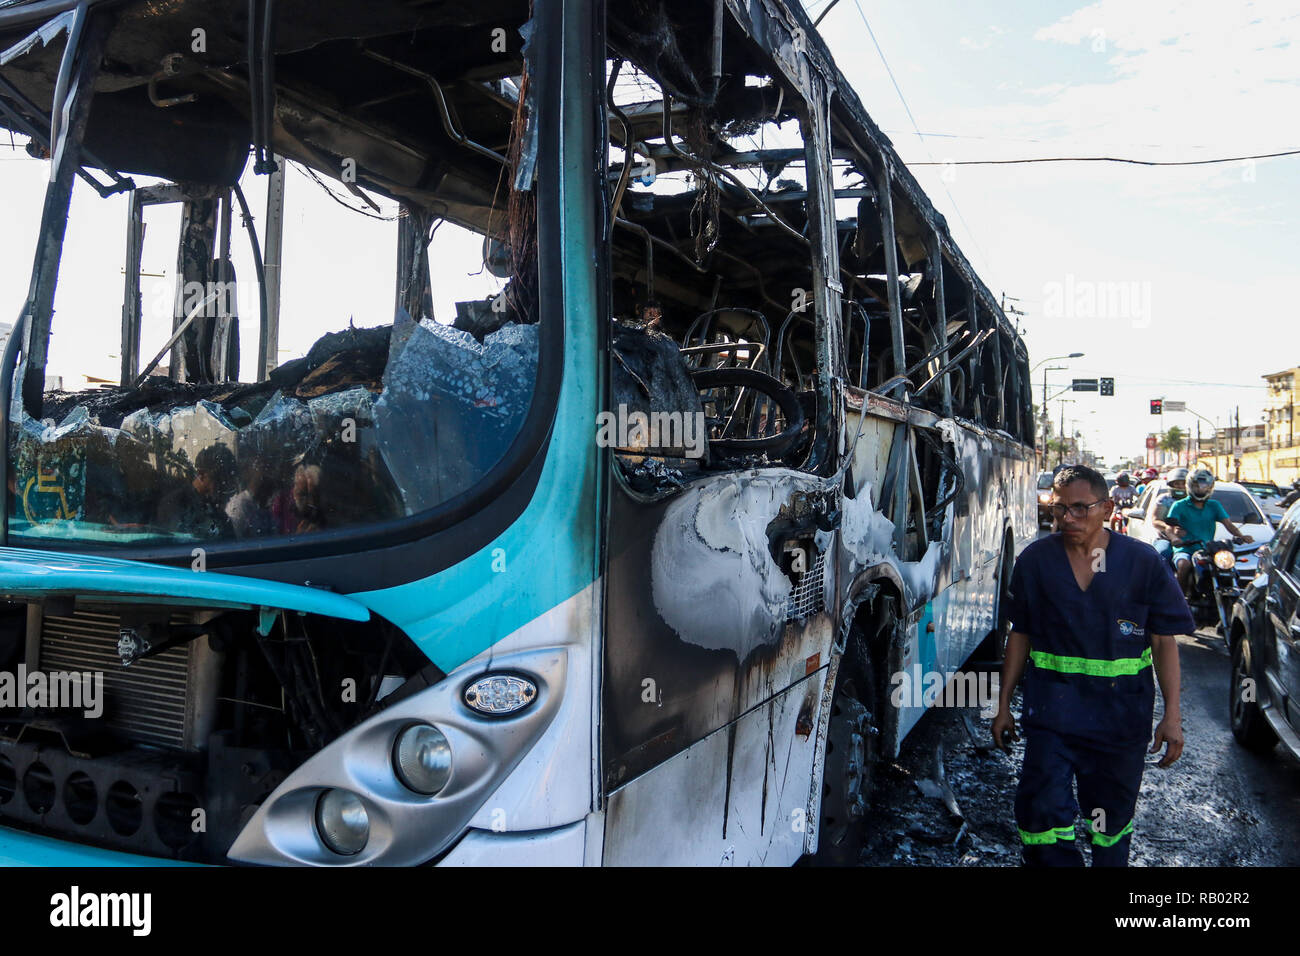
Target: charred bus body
(463, 585)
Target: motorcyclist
(1292, 495)
(1176, 490)
(1196, 518)
(1148, 476)
(1121, 497)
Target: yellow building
(1278, 458)
(1283, 397)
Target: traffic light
(1157, 406)
(1107, 386)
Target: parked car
(1243, 511)
(1044, 499)
(1269, 496)
(1264, 697)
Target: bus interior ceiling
(714, 232)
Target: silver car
(1243, 511)
(1269, 497)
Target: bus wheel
(847, 777)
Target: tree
(1060, 447)
(1173, 440)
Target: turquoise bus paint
(30, 849)
(41, 574)
(550, 553)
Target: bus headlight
(385, 793)
(342, 822)
(499, 694)
(1225, 560)
(422, 758)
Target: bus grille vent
(146, 702)
(808, 596)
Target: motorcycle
(1119, 516)
(1214, 584)
(1292, 495)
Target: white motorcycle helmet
(1200, 483)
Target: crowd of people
(225, 500)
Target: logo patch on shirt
(1129, 629)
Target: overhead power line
(1106, 159)
(1031, 139)
(1166, 382)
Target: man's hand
(1170, 732)
(1004, 725)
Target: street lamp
(1053, 358)
(1056, 358)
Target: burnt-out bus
(495, 432)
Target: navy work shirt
(1090, 674)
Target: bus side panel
(740, 797)
(998, 494)
(700, 623)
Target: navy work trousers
(1108, 783)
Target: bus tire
(848, 775)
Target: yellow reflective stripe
(1047, 836)
(1100, 839)
(1124, 666)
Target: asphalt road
(1217, 806)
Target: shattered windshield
(330, 310)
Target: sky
(1178, 282)
(338, 268)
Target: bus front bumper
(18, 848)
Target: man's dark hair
(1072, 473)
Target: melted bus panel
(761, 597)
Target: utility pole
(1060, 437)
(1236, 458)
(1044, 417)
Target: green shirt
(1198, 523)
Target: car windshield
(396, 362)
(1260, 490)
(1240, 506)
(1045, 481)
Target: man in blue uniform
(1091, 612)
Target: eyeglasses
(1076, 510)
